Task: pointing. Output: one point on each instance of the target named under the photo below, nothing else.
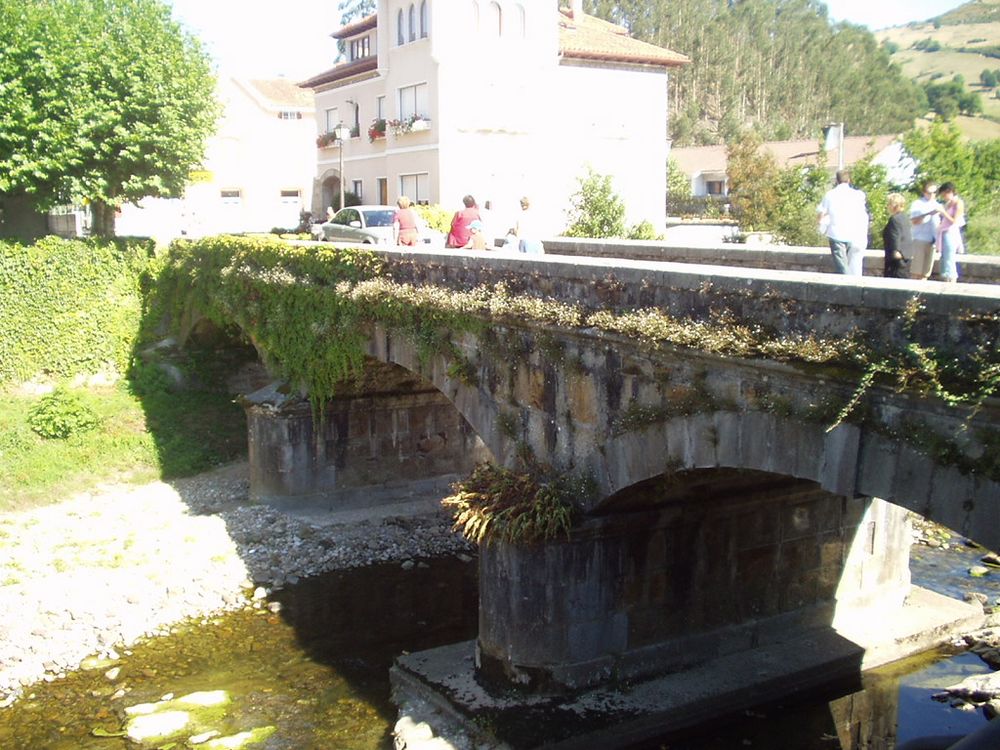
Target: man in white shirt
(925, 219)
(844, 213)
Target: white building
(258, 171)
(508, 97)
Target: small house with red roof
(494, 98)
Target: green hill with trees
(779, 66)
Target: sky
(263, 39)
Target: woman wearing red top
(404, 223)
(460, 234)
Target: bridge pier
(649, 618)
(374, 439)
(647, 592)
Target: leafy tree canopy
(106, 101)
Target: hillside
(964, 41)
(974, 11)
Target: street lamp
(342, 133)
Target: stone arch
(847, 461)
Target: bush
(436, 217)
(644, 230)
(61, 414)
(596, 211)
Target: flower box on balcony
(412, 124)
(376, 130)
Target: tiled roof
(591, 38)
(283, 93)
(342, 71)
(363, 24)
(694, 159)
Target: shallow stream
(315, 674)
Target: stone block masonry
(742, 560)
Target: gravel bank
(91, 575)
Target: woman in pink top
(404, 223)
(460, 234)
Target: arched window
(522, 21)
(400, 36)
(475, 16)
(413, 22)
(494, 21)
(424, 25)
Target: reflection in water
(318, 671)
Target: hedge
(71, 307)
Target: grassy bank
(137, 439)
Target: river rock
(133, 561)
(979, 688)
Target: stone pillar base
(437, 690)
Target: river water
(315, 674)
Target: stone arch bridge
(734, 509)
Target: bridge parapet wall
(976, 269)
(788, 303)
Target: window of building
(475, 16)
(715, 187)
(230, 197)
(290, 194)
(360, 48)
(380, 108)
(424, 24)
(357, 188)
(285, 115)
(413, 100)
(522, 21)
(412, 14)
(382, 188)
(416, 187)
(400, 30)
(494, 20)
(332, 119)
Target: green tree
(753, 182)
(595, 209)
(101, 101)
(873, 180)
(678, 183)
(988, 78)
(942, 154)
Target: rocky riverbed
(87, 577)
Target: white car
(366, 224)
(371, 225)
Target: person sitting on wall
(460, 234)
(477, 239)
